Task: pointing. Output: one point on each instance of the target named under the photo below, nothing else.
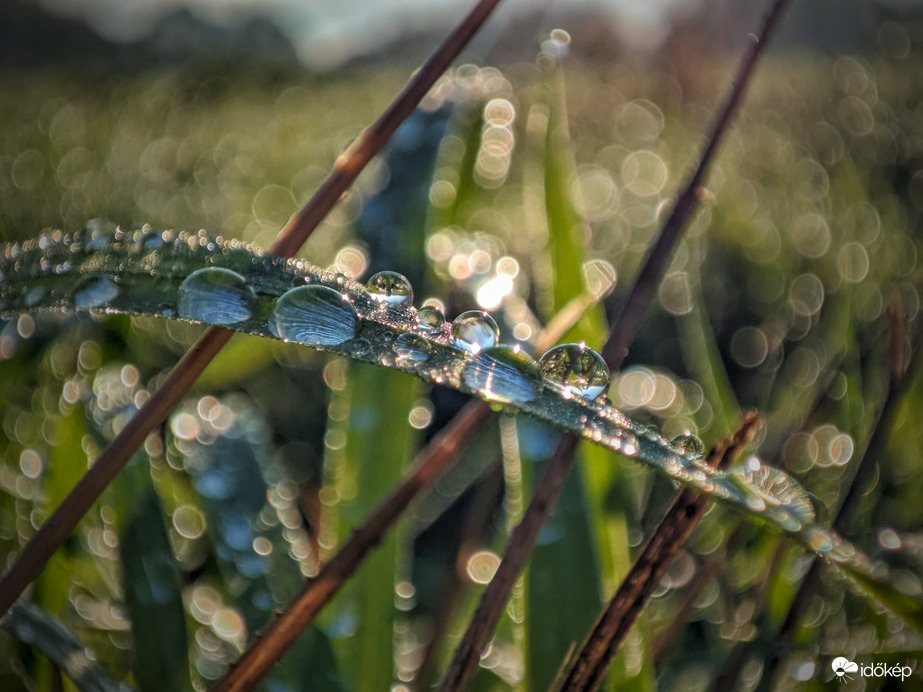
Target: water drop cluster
(203, 279)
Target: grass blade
(348, 166)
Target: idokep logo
(842, 666)
(847, 670)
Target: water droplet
(96, 234)
(577, 369)
(315, 315)
(503, 374)
(361, 347)
(629, 446)
(430, 319)
(410, 347)
(390, 288)
(765, 486)
(93, 291)
(215, 295)
(475, 330)
(688, 445)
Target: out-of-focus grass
(777, 296)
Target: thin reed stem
(621, 334)
(642, 291)
(663, 543)
(348, 165)
(432, 460)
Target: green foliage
(775, 299)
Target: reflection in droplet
(94, 291)
(215, 295)
(503, 374)
(577, 369)
(688, 445)
(390, 288)
(475, 330)
(412, 347)
(430, 318)
(315, 315)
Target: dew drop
(390, 288)
(93, 291)
(315, 315)
(688, 445)
(503, 374)
(577, 369)
(97, 233)
(629, 446)
(412, 348)
(215, 295)
(475, 330)
(430, 319)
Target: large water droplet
(390, 288)
(503, 374)
(215, 295)
(410, 347)
(766, 486)
(577, 369)
(93, 291)
(475, 330)
(430, 319)
(688, 445)
(315, 315)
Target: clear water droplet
(430, 319)
(217, 296)
(577, 369)
(316, 316)
(390, 288)
(410, 347)
(94, 291)
(475, 331)
(504, 375)
(688, 445)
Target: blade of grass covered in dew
(593, 548)
(781, 591)
(347, 167)
(715, 562)
(663, 543)
(900, 378)
(621, 333)
(430, 462)
(30, 624)
(658, 257)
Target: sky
(325, 32)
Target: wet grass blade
(35, 627)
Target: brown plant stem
(464, 662)
(621, 334)
(432, 460)
(639, 298)
(899, 378)
(663, 543)
(348, 165)
(61, 523)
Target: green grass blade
(152, 594)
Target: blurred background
(539, 168)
